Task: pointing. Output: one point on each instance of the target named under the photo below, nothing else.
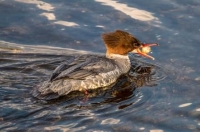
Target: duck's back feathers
(82, 67)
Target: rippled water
(23, 71)
(160, 95)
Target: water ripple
(23, 71)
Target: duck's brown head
(121, 42)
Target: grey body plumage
(83, 72)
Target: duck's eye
(136, 44)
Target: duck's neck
(122, 61)
(116, 56)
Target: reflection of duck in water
(87, 72)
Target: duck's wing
(81, 67)
(61, 68)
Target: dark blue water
(166, 99)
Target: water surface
(166, 97)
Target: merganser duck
(85, 72)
